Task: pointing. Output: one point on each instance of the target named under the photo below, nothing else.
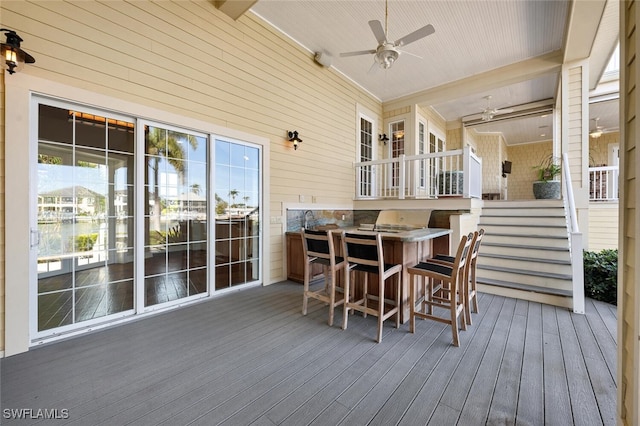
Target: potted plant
(547, 186)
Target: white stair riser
(525, 279)
(524, 252)
(524, 230)
(523, 220)
(552, 212)
(524, 204)
(528, 265)
(529, 241)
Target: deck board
(250, 357)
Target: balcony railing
(455, 173)
(603, 183)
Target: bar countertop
(406, 235)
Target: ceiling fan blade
(416, 35)
(360, 52)
(503, 111)
(378, 31)
(374, 68)
(404, 52)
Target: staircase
(525, 251)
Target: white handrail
(575, 241)
(567, 182)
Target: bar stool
(318, 248)
(471, 293)
(447, 294)
(363, 253)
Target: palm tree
(167, 145)
(234, 193)
(195, 188)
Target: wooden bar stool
(471, 292)
(443, 288)
(318, 248)
(363, 253)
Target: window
(366, 154)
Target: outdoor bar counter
(406, 247)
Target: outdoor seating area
(521, 363)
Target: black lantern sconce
(293, 137)
(506, 168)
(383, 138)
(13, 55)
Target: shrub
(601, 275)
(85, 242)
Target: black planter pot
(547, 190)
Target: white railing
(575, 240)
(603, 183)
(442, 174)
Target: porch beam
(528, 69)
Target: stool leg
(345, 309)
(305, 291)
(398, 308)
(454, 322)
(380, 308)
(332, 295)
(412, 303)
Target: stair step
(516, 229)
(552, 266)
(526, 287)
(527, 240)
(530, 252)
(524, 246)
(540, 221)
(526, 259)
(542, 274)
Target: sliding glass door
(131, 216)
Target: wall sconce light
(14, 57)
(293, 137)
(506, 168)
(383, 138)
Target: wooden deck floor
(251, 358)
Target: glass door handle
(34, 238)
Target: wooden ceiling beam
(528, 69)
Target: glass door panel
(237, 214)
(84, 182)
(176, 206)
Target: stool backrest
(317, 244)
(476, 245)
(462, 254)
(363, 249)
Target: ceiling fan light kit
(386, 55)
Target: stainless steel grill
(398, 221)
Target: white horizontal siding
(187, 57)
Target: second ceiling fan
(387, 52)
(489, 113)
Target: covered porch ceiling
(509, 50)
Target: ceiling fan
(489, 113)
(597, 131)
(387, 52)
